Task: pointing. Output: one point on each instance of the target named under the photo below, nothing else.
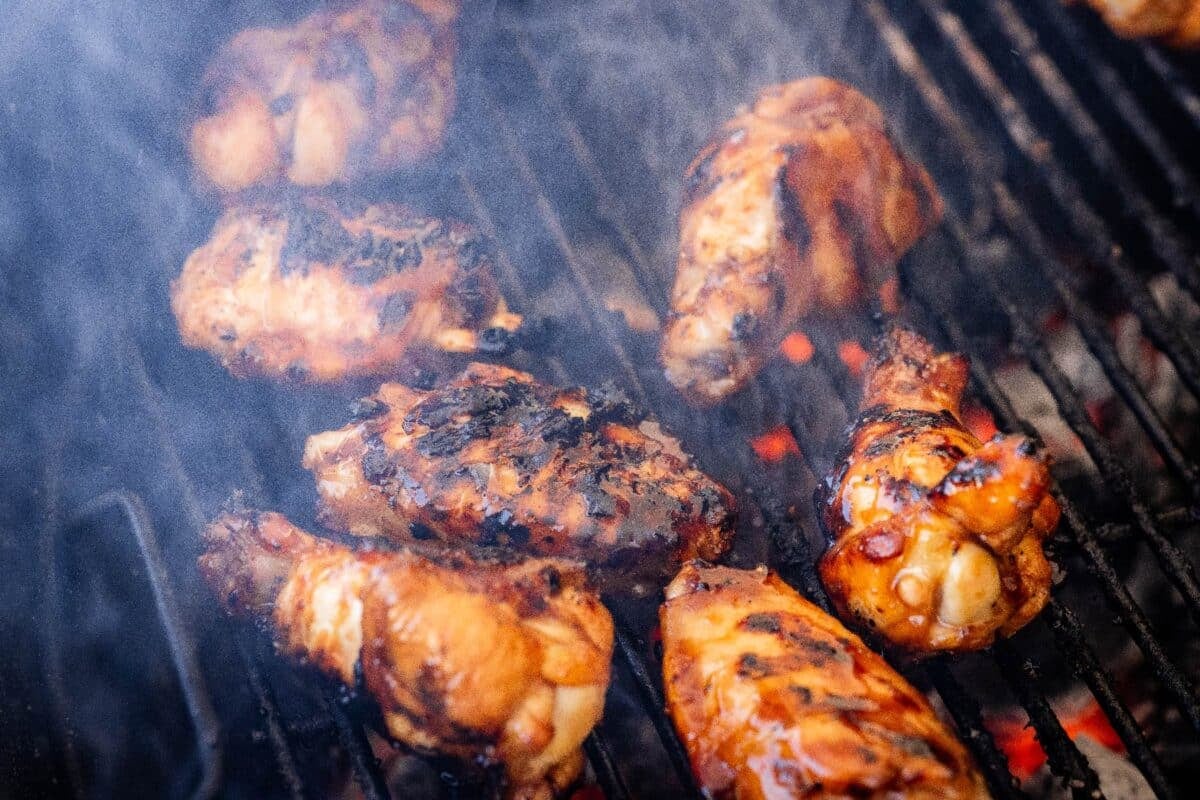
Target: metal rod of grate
(1134, 204)
(1123, 99)
(1094, 233)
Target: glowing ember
(775, 444)
(1025, 754)
(979, 422)
(796, 348)
(853, 356)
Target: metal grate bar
(548, 214)
(1061, 753)
(605, 766)
(514, 287)
(1185, 187)
(969, 719)
(1094, 232)
(179, 638)
(1176, 84)
(1165, 237)
(610, 207)
(1087, 666)
(652, 699)
(367, 771)
(270, 714)
(1131, 615)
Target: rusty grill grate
(1057, 150)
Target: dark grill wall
(1069, 166)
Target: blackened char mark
(395, 310)
(699, 181)
(761, 623)
(850, 226)
(753, 667)
(793, 222)
(366, 408)
(712, 508)
(745, 326)
(377, 464)
(596, 501)
(555, 426)
(971, 472)
(608, 403)
(908, 418)
(313, 235)
(501, 530)
(344, 57)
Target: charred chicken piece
(773, 698)
(495, 458)
(483, 660)
(799, 204)
(312, 290)
(340, 95)
(937, 537)
(1177, 22)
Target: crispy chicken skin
(774, 699)
(313, 290)
(937, 537)
(495, 458)
(484, 660)
(1177, 22)
(799, 204)
(363, 89)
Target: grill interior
(1066, 161)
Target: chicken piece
(493, 662)
(773, 698)
(1177, 22)
(312, 290)
(495, 458)
(800, 204)
(341, 95)
(937, 537)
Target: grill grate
(1010, 178)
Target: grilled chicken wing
(937, 538)
(799, 204)
(495, 458)
(340, 95)
(1177, 22)
(496, 662)
(312, 290)
(774, 699)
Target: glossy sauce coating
(493, 661)
(775, 699)
(936, 536)
(495, 458)
(315, 290)
(364, 88)
(800, 203)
